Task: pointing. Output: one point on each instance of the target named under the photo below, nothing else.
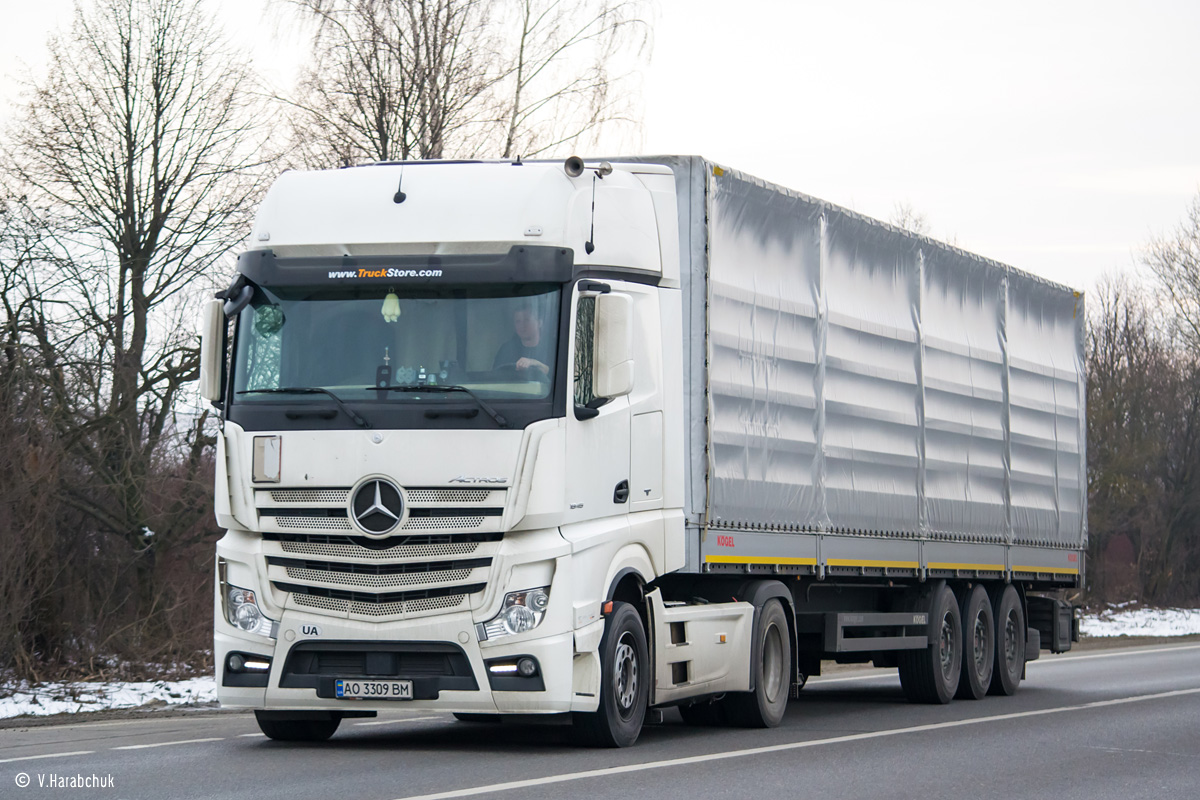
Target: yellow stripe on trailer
(810, 562)
(976, 567)
(1053, 570)
(850, 562)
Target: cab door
(598, 457)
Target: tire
(624, 683)
(1010, 642)
(491, 719)
(979, 645)
(771, 661)
(297, 730)
(930, 675)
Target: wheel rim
(1010, 641)
(946, 648)
(980, 645)
(625, 674)
(772, 663)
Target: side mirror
(612, 365)
(212, 345)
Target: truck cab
(444, 437)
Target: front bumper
(445, 634)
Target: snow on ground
(1120, 620)
(66, 698)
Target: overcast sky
(1057, 137)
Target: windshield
(376, 344)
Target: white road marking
(395, 721)
(1114, 654)
(780, 748)
(250, 735)
(47, 755)
(165, 744)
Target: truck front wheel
(297, 729)
(624, 683)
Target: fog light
(526, 667)
(237, 662)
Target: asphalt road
(1100, 724)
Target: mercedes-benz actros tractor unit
(593, 438)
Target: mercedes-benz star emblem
(377, 507)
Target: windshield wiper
(359, 421)
(438, 387)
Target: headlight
(241, 608)
(522, 611)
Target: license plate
(374, 690)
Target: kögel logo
(377, 507)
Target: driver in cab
(526, 350)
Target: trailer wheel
(624, 683)
(1010, 643)
(931, 675)
(771, 660)
(979, 645)
(297, 730)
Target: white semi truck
(595, 438)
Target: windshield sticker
(391, 272)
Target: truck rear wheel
(979, 645)
(624, 683)
(931, 675)
(1010, 643)
(313, 729)
(771, 661)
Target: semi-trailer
(594, 438)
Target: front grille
(380, 576)
(434, 563)
(310, 497)
(341, 607)
(437, 496)
(384, 597)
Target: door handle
(621, 493)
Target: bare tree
(1175, 260)
(402, 79)
(905, 217)
(142, 141)
(559, 83)
(1143, 451)
(389, 79)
